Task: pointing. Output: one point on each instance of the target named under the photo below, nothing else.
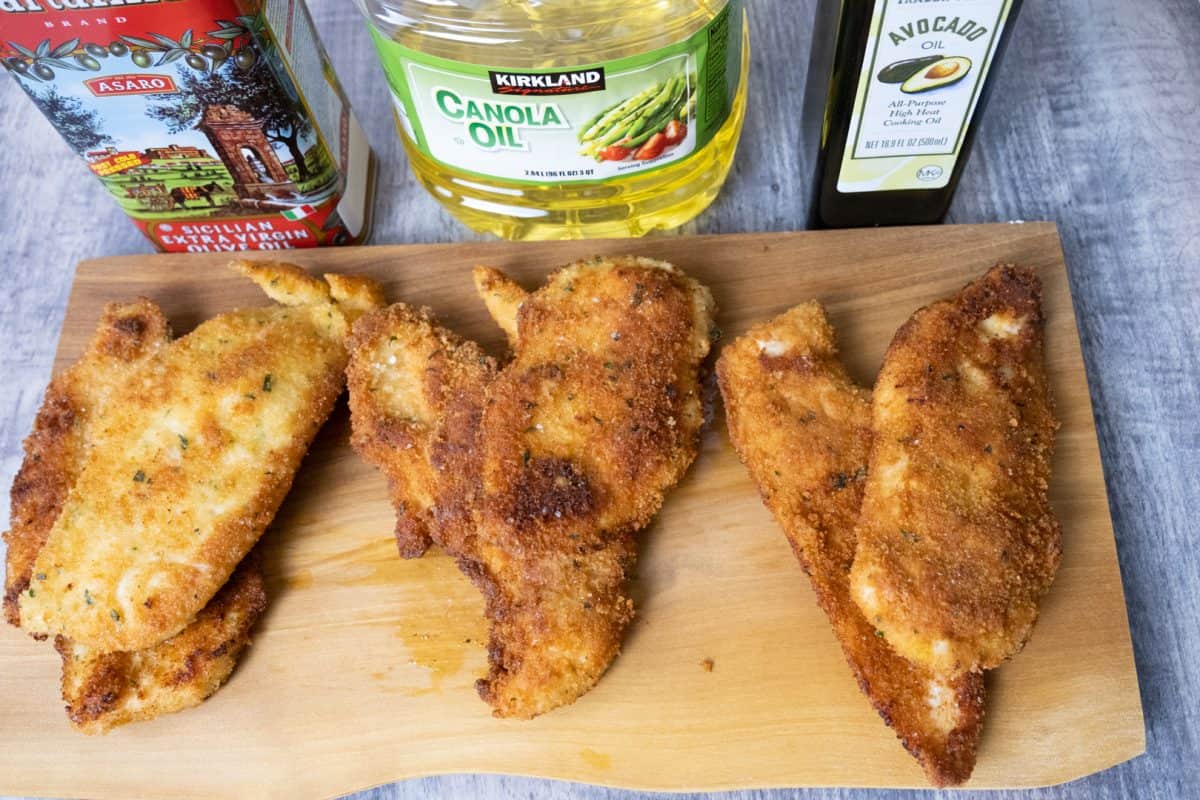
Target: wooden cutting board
(362, 669)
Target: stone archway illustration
(257, 164)
(246, 152)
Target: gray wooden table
(1093, 125)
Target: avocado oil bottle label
(923, 69)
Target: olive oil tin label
(924, 67)
(587, 122)
(217, 125)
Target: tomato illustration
(614, 152)
(652, 148)
(675, 132)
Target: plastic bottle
(501, 107)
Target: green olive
(43, 72)
(99, 51)
(141, 58)
(196, 62)
(214, 51)
(118, 48)
(245, 58)
(87, 62)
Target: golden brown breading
(596, 417)
(802, 428)
(189, 468)
(957, 542)
(416, 395)
(104, 690)
(537, 478)
(503, 297)
(126, 335)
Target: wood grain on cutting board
(362, 669)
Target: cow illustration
(180, 195)
(153, 196)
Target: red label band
(267, 232)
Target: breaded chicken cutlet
(957, 543)
(416, 399)
(537, 477)
(597, 416)
(803, 429)
(188, 468)
(103, 690)
(126, 335)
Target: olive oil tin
(217, 125)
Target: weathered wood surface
(1091, 126)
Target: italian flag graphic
(299, 212)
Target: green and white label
(926, 62)
(591, 122)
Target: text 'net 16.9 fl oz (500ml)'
(217, 125)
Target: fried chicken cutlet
(957, 543)
(103, 690)
(126, 335)
(536, 478)
(188, 468)
(597, 416)
(416, 398)
(803, 429)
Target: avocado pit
(943, 72)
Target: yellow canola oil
(557, 36)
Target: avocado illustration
(900, 71)
(940, 73)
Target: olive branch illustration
(233, 39)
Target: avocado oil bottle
(893, 99)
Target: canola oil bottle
(550, 119)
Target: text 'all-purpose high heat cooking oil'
(543, 119)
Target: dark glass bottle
(894, 95)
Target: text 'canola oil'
(545, 119)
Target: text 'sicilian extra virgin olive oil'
(217, 125)
(894, 95)
(542, 119)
